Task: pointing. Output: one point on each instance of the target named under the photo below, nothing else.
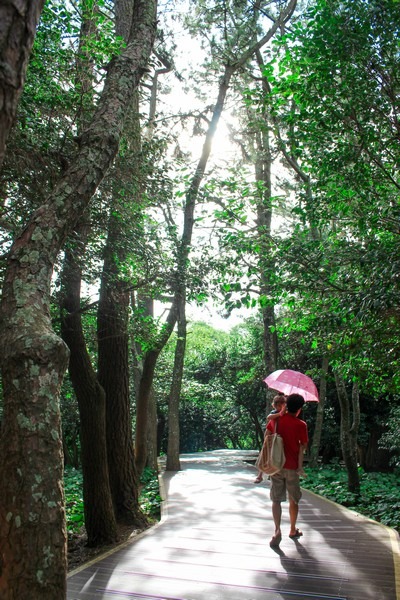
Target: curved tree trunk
(151, 356)
(34, 359)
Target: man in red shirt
(295, 439)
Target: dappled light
(213, 542)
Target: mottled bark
(100, 521)
(18, 23)
(34, 359)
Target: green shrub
(73, 485)
(379, 497)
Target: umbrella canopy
(293, 382)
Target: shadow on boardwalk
(213, 544)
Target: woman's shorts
(286, 480)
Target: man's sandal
(296, 535)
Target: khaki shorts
(286, 480)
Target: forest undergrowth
(379, 497)
(78, 551)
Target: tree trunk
(100, 524)
(112, 332)
(34, 359)
(263, 167)
(18, 23)
(99, 514)
(152, 427)
(348, 433)
(113, 374)
(260, 429)
(266, 265)
(152, 450)
(314, 451)
(142, 408)
(173, 463)
(32, 518)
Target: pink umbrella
(293, 382)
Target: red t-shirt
(294, 433)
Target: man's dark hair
(294, 402)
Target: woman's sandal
(258, 479)
(296, 535)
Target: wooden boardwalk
(213, 544)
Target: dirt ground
(79, 553)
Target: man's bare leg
(293, 513)
(277, 515)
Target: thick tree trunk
(100, 521)
(113, 374)
(173, 463)
(32, 518)
(348, 433)
(316, 442)
(34, 359)
(18, 23)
